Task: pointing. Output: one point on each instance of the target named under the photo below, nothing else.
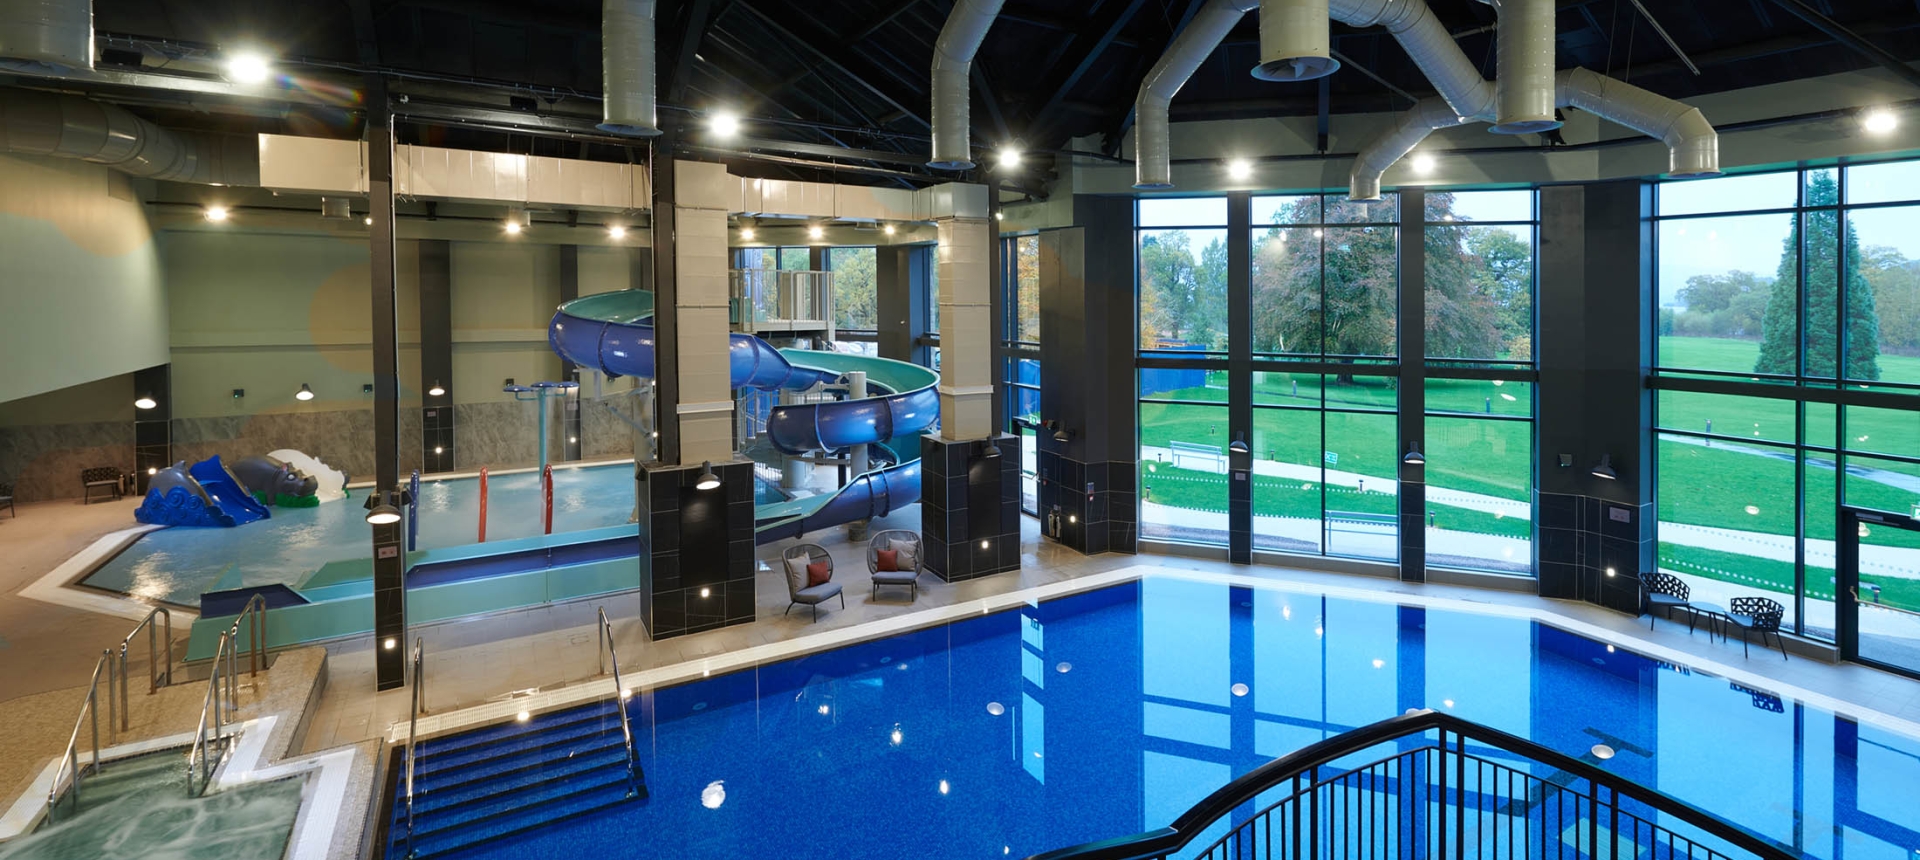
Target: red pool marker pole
(483, 504)
(546, 511)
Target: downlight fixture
(616, 232)
(304, 394)
(724, 124)
(1422, 163)
(217, 214)
(145, 401)
(708, 480)
(248, 67)
(1239, 170)
(815, 231)
(1605, 468)
(1879, 121)
(1010, 156)
(437, 390)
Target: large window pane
(1183, 472)
(1480, 397)
(1362, 460)
(1183, 290)
(1286, 480)
(1727, 518)
(1819, 337)
(1286, 210)
(1480, 205)
(1479, 290)
(854, 299)
(1884, 297)
(1026, 289)
(1722, 282)
(1727, 415)
(1361, 294)
(1888, 556)
(1728, 194)
(1884, 431)
(1286, 285)
(1889, 182)
(1479, 494)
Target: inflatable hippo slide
(212, 493)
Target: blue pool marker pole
(413, 511)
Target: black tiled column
(696, 548)
(970, 506)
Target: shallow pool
(1109, 713)
(178, 564)
(138, 809)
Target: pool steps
(510, 778)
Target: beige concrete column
(705, 410)
(966, 315)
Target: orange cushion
(818, 574)
(887, 560)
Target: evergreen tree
(1780, 335)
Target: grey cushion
(796, 574)
(817, 593)
(895, 577)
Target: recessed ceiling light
(1422, 163)
(617, 232)
(1879, 121)
(724, 124)
(513, 228)
(746, 234)
(216, 213)
(1009, 156)
(1240, 169)
(816, 231)
(248, 67)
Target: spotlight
(708, 480)
(305, 393)
(153, 470)
(216, 214)
(616, 232)
(1009, 157)
(513, 228)
(888, 229)
(815, 231)
(724, 124)
(1239, 169)
(1605, 468)
(369, 220)
(248, 67)
(1414, 457)
(518, 220)
(1879, 121)
(999, 216)
(746, 234)
(146, 401)
(1422, 163)
(436, 390)
(1063, 435)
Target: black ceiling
(854, 73)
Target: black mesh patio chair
(1757, 615)
(6, 498)
(1665, 593)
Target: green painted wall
(81, 290)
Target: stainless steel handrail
(1878, 605)
(217, 710)
(153, 659)
(413, 722)
(620, 695)
(91, 707)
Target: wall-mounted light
(1422, 163)
(999, 216)
(1604, 469)
(1879, 121)
(707, 480)
(518, 220)
(145, 401)
(383, 509)
(1239, 170)
(366, 388)
(217, 214)
(368, 220)
(239, 393)
(1063, 435)
(1414, 457)
(616, 232)
(1238, 445)
(887, 229)
(815, 231)
(1566, 461)
(304, 394)
(436, 390)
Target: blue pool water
(1118, 711)
(178, 564)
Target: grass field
(1273, 497)
(1738, 356)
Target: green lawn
(1273, 497)
(1777, 576)
(1739, 356)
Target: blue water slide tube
(613, 333)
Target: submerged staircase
(494, 782)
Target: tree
(1026, 260)
(1179, 300)
(854, 288)
(1781, 334)
(1505, 275)
(1709, 293)
(1896, 296)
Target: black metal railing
(1445, 787)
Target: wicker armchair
(906, 546)
(103, 478)
(1665, 593)
(796, 559)
(1757, 615)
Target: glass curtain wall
(1020, 350)
(1181, 249)
(856, 309)
(1480, 370)
(1788, 342)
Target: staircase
(509, 778)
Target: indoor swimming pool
(177, 564)
(1111, 712)
(139, 809)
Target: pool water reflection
(1109, 713)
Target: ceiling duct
(62, 126)
(1399, 139)
(336, 209)
(626, 68)
(1426, 40)
(41, 36)
(960, 39)
(1294, 41)
(1151, 133)
(1523, 86)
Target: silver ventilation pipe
(1295, 44)
(1693, 146)
(1152, 144)
(1523, 80)
(41, 36)
(1432, 48)
(960, 39)
(60, 126)
(626, 68)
